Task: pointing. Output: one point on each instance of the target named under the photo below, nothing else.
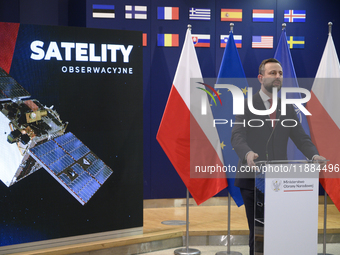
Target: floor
(164, 227)
(333, 249)
(212, 219)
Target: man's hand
(251, 156)
(321, 160)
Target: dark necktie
(272, 115)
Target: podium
(286, 207)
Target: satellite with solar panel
(32, 136)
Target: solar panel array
(10, 88)
(74, 166)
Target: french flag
(168, 13)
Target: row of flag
(178, 119)
(172, 13)
(203, 40)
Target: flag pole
(187, 250)
(324, 223)
(228, 252)
(325, 195)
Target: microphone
(271, 134)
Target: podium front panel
(286, 210)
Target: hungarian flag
(188, 137)
(324, 123)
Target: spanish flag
(231, 14)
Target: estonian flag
(103, 11)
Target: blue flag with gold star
(231, 72)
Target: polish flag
(324, 123)
(187, 137)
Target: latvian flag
(167, 40)
(103, 11)
(237, 40)
(295, 16)
(135, 12)
(168, 13)
(263, 15)
(201, 40)
(265, 42)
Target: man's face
(271, 76)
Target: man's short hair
(269, 60)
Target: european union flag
(231, 68)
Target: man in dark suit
(268, 142)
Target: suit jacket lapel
(257, 102)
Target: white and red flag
(324, 123)
(187, 137)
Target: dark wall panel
(159, 63)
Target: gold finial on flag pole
(330, 24)
(232, 27)
(189, 26)
(283, 26)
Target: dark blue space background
(104, 111)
